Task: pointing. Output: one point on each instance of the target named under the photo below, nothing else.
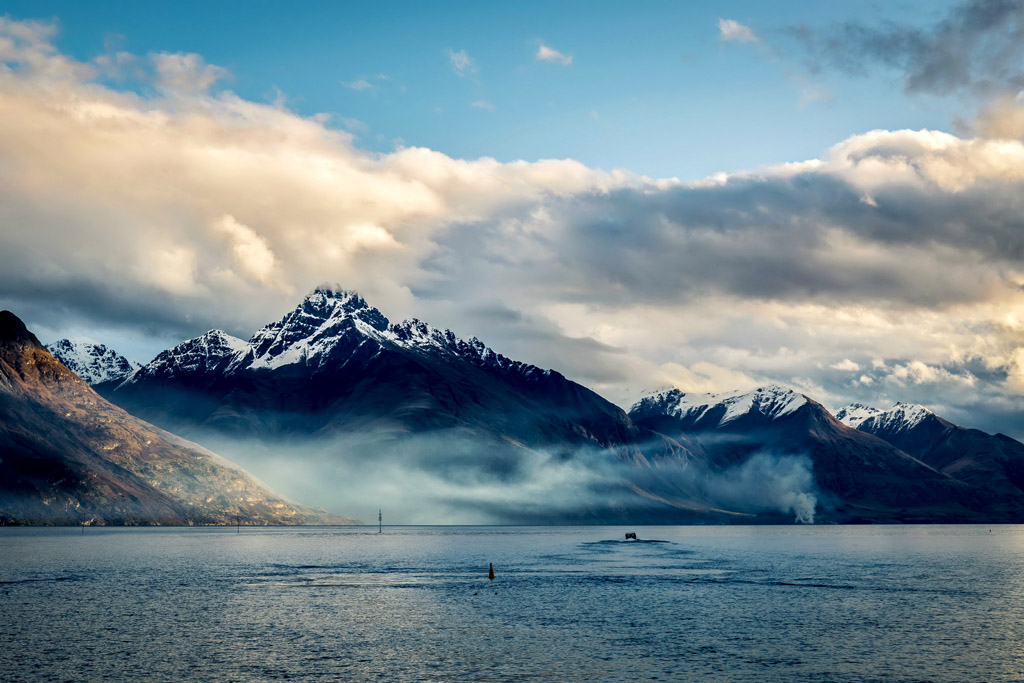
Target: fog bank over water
(450, 477)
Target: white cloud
(733, 31)
(461, 62)
(482, 104)
(548, 54)
(185, 74)
(250, 252)
(845, 365)
(359, 84)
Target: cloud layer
(892, 266)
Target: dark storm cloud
(977, 46)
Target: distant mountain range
(336, 366)
(335, 384)
(67, 456)
(991, 463)
(860, 475)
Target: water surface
(884, 603)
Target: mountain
(358, 407)
(992, 462)
(860, 477)
(333, 382)
(335, 362)
(67, 456)
(95, 363)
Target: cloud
(461, 62)
(977, 46)
(547, 54)
(250, 253)
(172, 210)
(185, 74)
(359, 84)
(224, 204)
(1002, 117)
(732, 31)
(482, 104)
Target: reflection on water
(567, 604)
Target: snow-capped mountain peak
(902, 416)
(207, 351)
(421, 336)
(855, 413)
(93, 362)
(416, 333)
(328, 329)
(772, 401)
(314, 327)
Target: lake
(800, 603)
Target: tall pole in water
(380, 521)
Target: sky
(823, 195)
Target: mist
(769, 482)
(456, 476)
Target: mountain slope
(994, 463)
(69, 456)
(859, 476)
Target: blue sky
(651, 87)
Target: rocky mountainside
(991, 462)
(67, 456)
(859, 476)
(95, 363)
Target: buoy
(490, 572)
